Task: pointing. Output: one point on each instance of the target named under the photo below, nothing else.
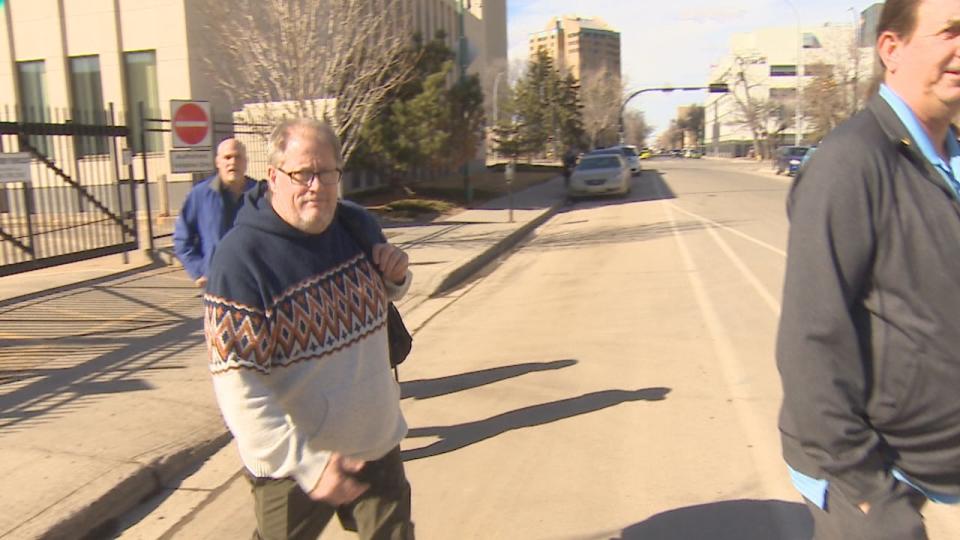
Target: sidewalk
(105, 398)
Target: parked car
(806, 158)
(692, 153)
(628, 152)
(788, 159)
(599, 174)
(646, 153)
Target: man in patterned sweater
(295, 325)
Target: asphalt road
(612, 378)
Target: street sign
(189, 160)
(191, 126)
(15, 167)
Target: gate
(76, 205)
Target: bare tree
(825, 106)
(765, 118)
(332, 59)
(636, 129)
(601, 93)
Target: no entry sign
(190, 123)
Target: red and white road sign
(190, 123)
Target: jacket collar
(216, 184)
(900, 139)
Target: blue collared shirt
(815, 489)
(949, 169)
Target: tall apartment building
(85, 55)
(768, 59)
(579, 45)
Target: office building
(579, 45)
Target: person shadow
(462, 435)
(441, 386)
(741, 519)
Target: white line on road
(752, 278)
(763, 448)
(743, 235)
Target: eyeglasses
(329, 177)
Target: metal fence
(77, 202)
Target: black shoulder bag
(399, 340)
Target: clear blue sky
(672, 42)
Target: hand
(392, 262)
(864, 507)
(337, 485)
(201, 282)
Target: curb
(97, 517)
(469, 268)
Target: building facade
(579, 45)
(73, 60)
(766, 68)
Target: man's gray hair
(281, 137)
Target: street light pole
(712, 88)
(799, 108)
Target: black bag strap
(352, 216)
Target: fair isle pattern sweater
(296, 334)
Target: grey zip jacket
(869, 342)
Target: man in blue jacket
(210, 209)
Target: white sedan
(599, 174)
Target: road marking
(752, 278)
(743, 235)
(755, 429)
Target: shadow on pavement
(66, 349)
(7, 302)
(441, 386)
(563, 239)
(727, 520)
(651, 186)
(462, 435)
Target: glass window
(783, 93)
(31, 78)
(810, 41)
(87, 102)
(783, 71)
(141, 69)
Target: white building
(765, 63)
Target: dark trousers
(284, 511)
(895, 517)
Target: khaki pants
(284, 511)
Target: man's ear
(888, 49)
(271, 177)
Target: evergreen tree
(536, 99)
(570, 113)
(428, 124)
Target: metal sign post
(510, 171)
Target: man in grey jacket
(869, 340)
